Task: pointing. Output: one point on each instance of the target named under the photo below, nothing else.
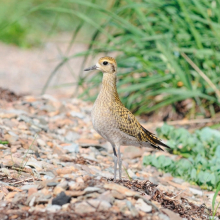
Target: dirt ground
(26, 71)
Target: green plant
(214, 209)
(167, 51)
(3, 142)
(28, 23)
(197, 155)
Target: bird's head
(105, 64)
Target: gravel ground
(55, 166)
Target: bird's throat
(109, 89)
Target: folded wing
(127, 123)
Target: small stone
(32, 162)
(178, 180)
(120, 189)
(106, 196)
(3, 147)
(196, 191)
(48, 177)
(76, 186)
(131, 152)
(165, 217)
(51, 184)
(63, 185)
(79, 180)
(41, 142)
(15, 148)
(121, 204)
(32, 201)
(91, 206)
(66, 170)
(74, 193)
(154, 180)
(11, 137)
(73, 148)
(1, 196)
(171, 214)
(131, 174)
(32, 191)
(84, 207)
(71, 136)
(99, 204)
(77, 114)
(65, 207)
(53, 208)
(27, 187)
(143, 206)
(91, 189)
(118, 195)
(61, 199)
(132, 209)
(3, 203)
(57, 190)
(10, 195)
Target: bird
(113, 121)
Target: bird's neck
(108, 91)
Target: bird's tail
(153, 140)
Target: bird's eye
(105, 63)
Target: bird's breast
(102, 119)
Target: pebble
(27, 187)
(53, 208)
(71, 136)
(11, 137)
(91, 206)
(120, 189)
(73, 148)
(106, 196)
(32, 191)
(83, 207)
(41, 142)
(91, 189)
(57, 190)
(118, 195)
(143, 206)
(63, 184)
(132, 209)
(196, 191)
(61, 199)
(51, 184)
(71, 161)
(3, 147)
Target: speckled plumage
(112, 120)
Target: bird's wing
(128, 124)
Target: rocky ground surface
(55, 166)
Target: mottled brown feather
(127, 123)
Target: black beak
(91, 68)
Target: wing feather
(127, 123)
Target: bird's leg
(115, 162)
(119, 162)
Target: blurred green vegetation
(28, 22)
(198, 155)
(167, 51)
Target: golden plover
(113, 121)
